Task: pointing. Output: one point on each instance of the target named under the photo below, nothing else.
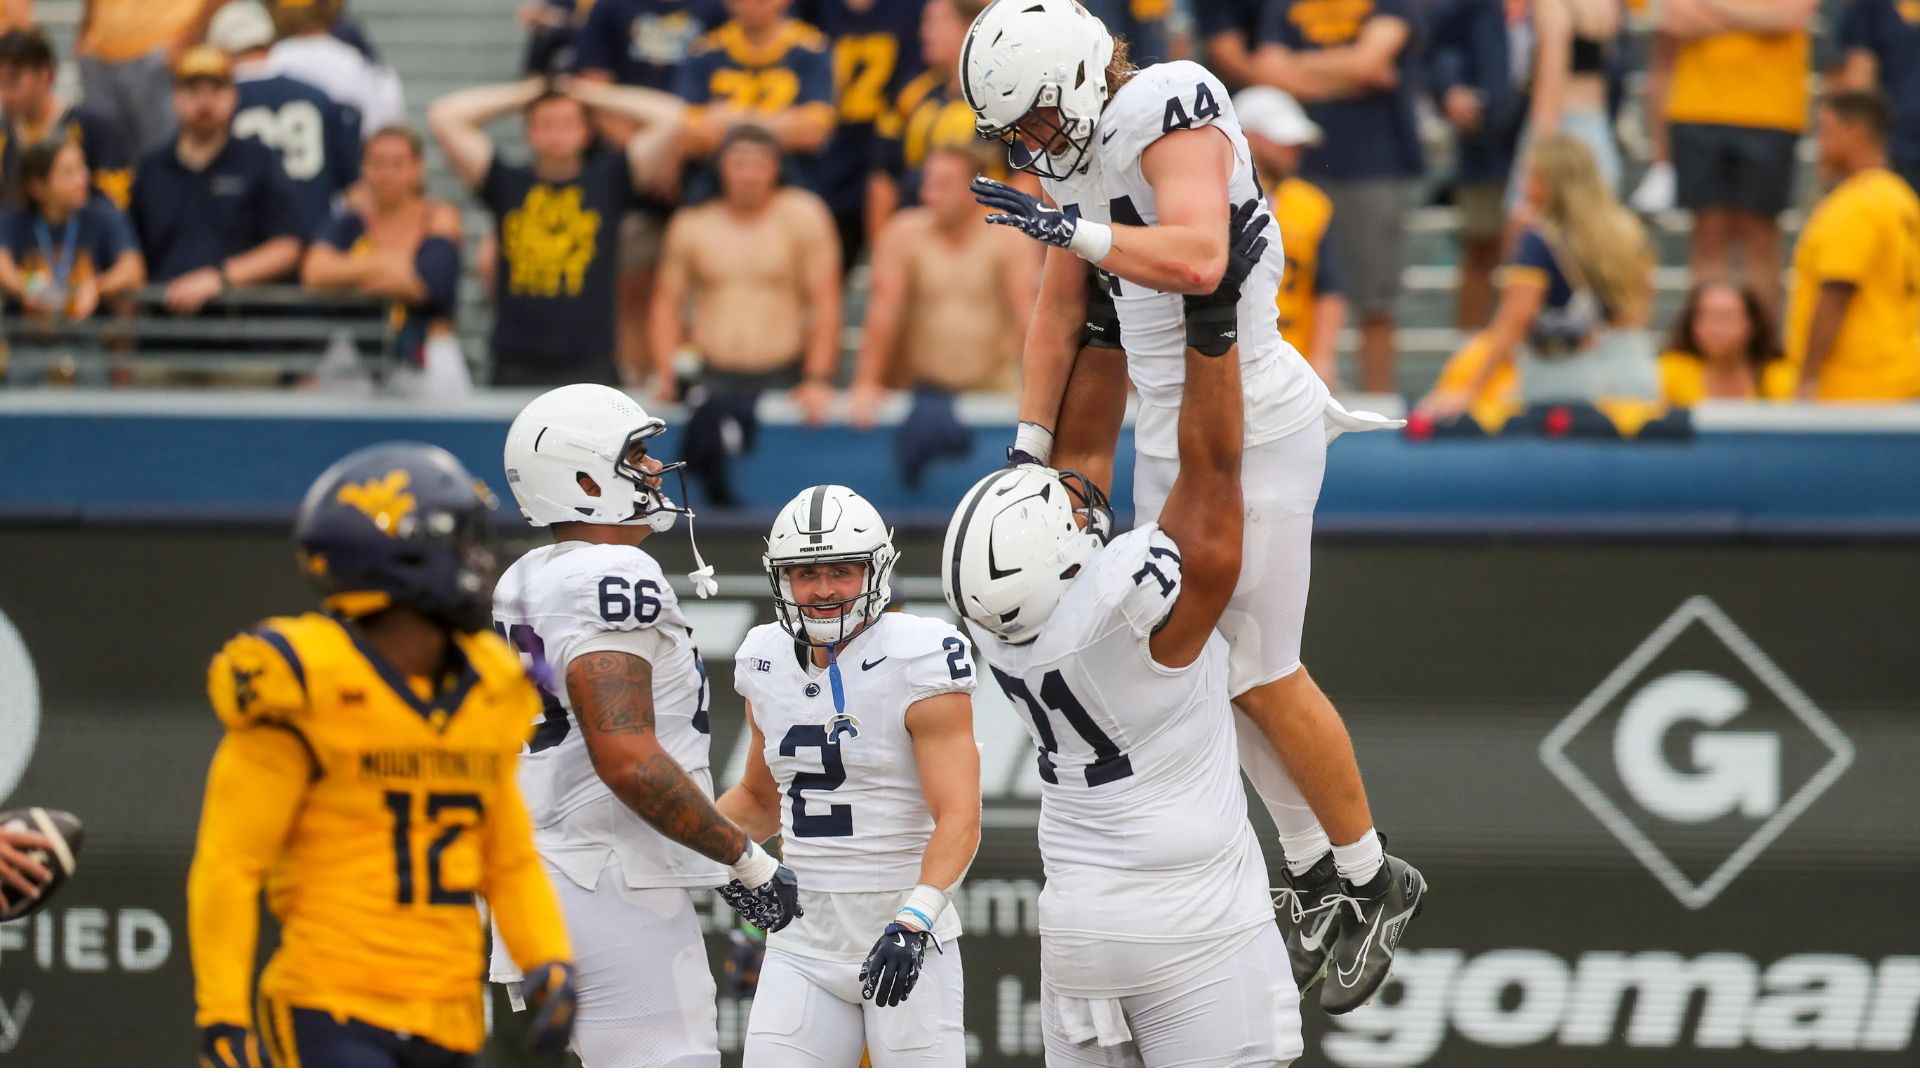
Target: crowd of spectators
(701, 177)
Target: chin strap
(702, 576)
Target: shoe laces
(1299, 912)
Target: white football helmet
(586, 430)
(1015, 545)
(1021, 55)
(829, 523)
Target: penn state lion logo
(385, 501)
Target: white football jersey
(1283, 394)
(561, 602)
(1150, 860)
(853, 820)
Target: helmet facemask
(650, 503)
(1044, 129)
(832, 622)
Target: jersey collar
(454, 686)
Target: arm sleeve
(518, 891)
(593, 43)
(1328, 279)
(258, 780)
(1273, 23)
(255, 787)
(281, 211)
(944, 666)
(1140, 578)
(343, 157)
(1532, 261)
(1447, 63)
(691, 82)
(1180, 95)
(1849, 243)
(814, 68)
(111, 238)
(1856, 26)
(438, 264)
(339, 231)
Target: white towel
(1338, 420)
(1093, 1020)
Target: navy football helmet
(400, 524)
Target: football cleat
(1372, 918)
(1307, 907)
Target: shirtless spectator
(950, 297)
(761, 267)
(558, 217)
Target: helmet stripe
(966, 84)
(960, 538)
(815, 511)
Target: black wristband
(1213, 321)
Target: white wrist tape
(922, 908)
(1031, 438)
(755, 867)
(1091, 240)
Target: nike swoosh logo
(1108, 137)
(869, 665)
(1311, 941)
(994, 573)
(1351, 977)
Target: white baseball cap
(1273, 114)
(240, 26)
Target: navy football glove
(893, 966)
(228, 1046)
(548, 991)
(768, 907)
(1023, 212)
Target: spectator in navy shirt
(1350, 62)
(1882, 43)
(558, 217)
(404, 247)
(1228, 31)
(1471, 78)
(642, 42)
(317, 137)
(213, 211)
(639, 43)
(34, 114)
(69, 250)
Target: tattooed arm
(612, 694)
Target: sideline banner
(1663, 792)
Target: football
(66, 833)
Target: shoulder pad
(259, 675)
(1138, 576)
(936, 656)
(604, 583)
(1164, 98)
(493, 660)
(764, 646)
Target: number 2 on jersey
(838, 820)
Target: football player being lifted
(617, 773)
(1144, 168)
(863, 760)
(1157, 943)
(366, 778)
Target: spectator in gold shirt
(1735, 108)
(1853, 321)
